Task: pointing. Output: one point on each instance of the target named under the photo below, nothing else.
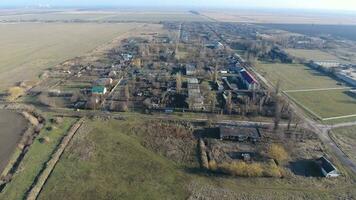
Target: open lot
(28, 48)
(12, 126)
(346, 138)
(116, 159)
(327, 104)
(295, 76)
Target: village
(190, 70)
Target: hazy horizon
(322, 5)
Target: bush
(213, 166)
(277, 152)
(242, 169)
(14, 92)
(272, 170)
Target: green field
(28, 48)
(108, 161)
(346, 138)
(307, 54)
(295, 76)
(327, 104)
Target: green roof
(98, 89)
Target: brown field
(12, 126)
(29, 48)
(250, 16)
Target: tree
(277, 111)
(212, 100)
(277, 152)
(229, 103)
(216, 74)
(127, 93)
(179, 83)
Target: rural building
(327, 168)
(190, 70)
(248, 80)
(239, 133)
(325, 66)
(103, 82)
(99, 90)
(349, 76)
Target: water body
(12, 126)
(337, 31)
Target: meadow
(29, 48)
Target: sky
(276, 4)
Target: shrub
(13, 93)
(213, 166)
(277, 152)
(272, 170)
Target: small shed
(327, 168)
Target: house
(239, 133)
(103, 82)
(248, 80)
(327, 168)
(190, 70)
(99, 90)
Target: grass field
(34, 160)
(346, 138)
(108, 161)
(327, 104)
(28, 48)
(317, 55)
(112, 165)
(295, 76)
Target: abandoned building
(239, 133)
(327, 168)
(195, 98)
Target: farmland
(312, 54)
(12, 126)
(101, 16)
(295, 76)
(29, 48)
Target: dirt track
(12, 126)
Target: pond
(12, 126)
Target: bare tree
(179, 83)
(277, 112)
(127, 92)
(229, 103)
